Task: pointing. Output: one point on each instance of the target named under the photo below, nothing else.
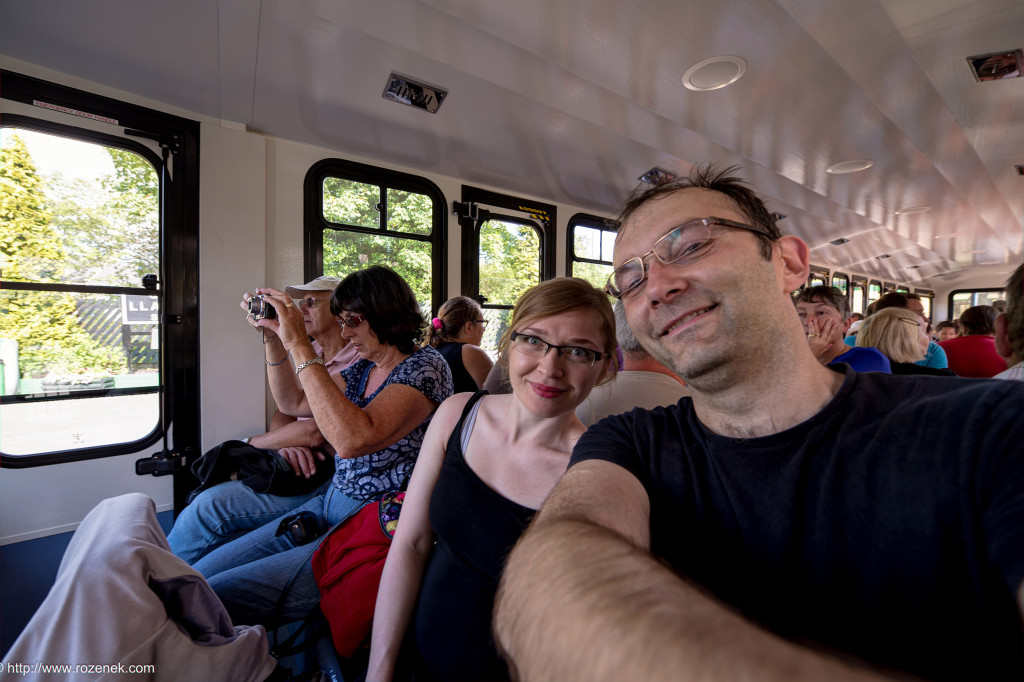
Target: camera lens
(261, 309)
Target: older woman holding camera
(374, 413)
(900, 334)
(487, 464)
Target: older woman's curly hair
(388, 303)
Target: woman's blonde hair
(895, 332)
(555, 297)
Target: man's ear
(1003, 346)
(795, 262)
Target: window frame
(590, 221)
(954, 292)
(820, 272)
(314, 222)
(179, 239)
(858, 282)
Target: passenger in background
(487, 464)
(935, 356)
(1010, 327)
(945, 330)
(643, 381)
(226, 511)
(822, 310)
(456, 333)
(374, 413)
(999, 305)
(900, 335)
(973, 353)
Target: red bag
(347, 567)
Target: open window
(507, 247)
(590, 245)
(858, 295)
(98, 326)
(358, 215)
(817, 277)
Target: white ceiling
(572, 100)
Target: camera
(261, 309)
(302, 528)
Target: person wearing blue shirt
(822, 310)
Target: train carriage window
(589, 250)
(359, 215)
(874, 291)
(513, 242)
(841, 282)
(817, 277)
(79, 335)
(858, 295)
(927, 296)
(962, 299)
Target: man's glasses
(352, 320)
(311, 301)
(686, 243)
(532, 345)
(482, 323)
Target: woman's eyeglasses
(351, 320)
(532, 345)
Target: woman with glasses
(374, 413)
(487, 464)
(456, 333)
(899, 334)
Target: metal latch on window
(162, 463)
(170, 319)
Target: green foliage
(30, 246)
(509, 261)
(34, 248)
(353, 203)
(594, 273)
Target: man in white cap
(225, 511)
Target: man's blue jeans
(227, 511)
(264, 579)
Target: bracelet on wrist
(307, 363)
(279, 362)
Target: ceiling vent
(997, 66)
(839, 242)
(656, 176)
(883, 256)
(1020, 169)
(414, 93)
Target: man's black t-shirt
(889, 526)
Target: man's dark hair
(891, 300)
(830, 296)
(978, 320)
(379, 294)
(707, 176)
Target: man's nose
(664, 282)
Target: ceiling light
(416, 94)
(948, 235)
(997, 66)
(912, 210)
(714, 73)
(839, 242)
(656, 176)
(851, 166)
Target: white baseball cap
(323, 283)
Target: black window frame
(821, 272)
(470, 217)
(593, 222)
(314, 222)
(954, 292)
(856, 281)
(179, 258)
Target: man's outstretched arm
(582, 599)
